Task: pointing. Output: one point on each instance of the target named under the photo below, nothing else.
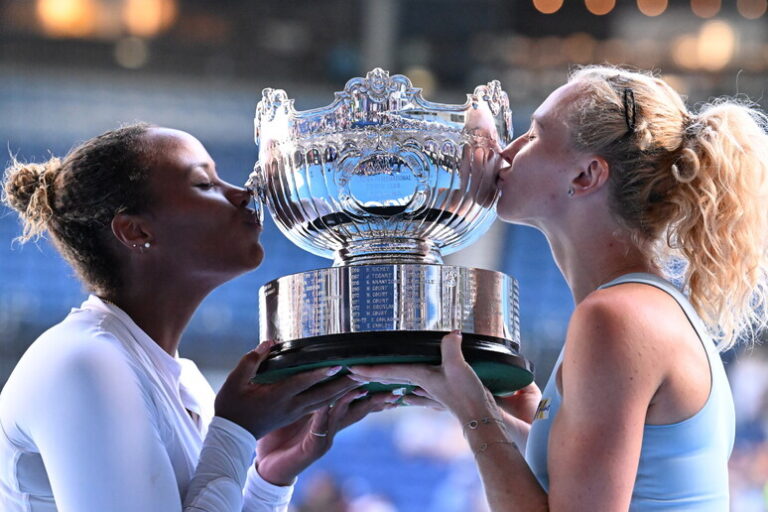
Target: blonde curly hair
(74, 199)
(690, 187)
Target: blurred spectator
(372, 503)
(431, 433)
(323, 494)
(749, 462)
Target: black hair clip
(630, 110)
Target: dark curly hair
(75, 199)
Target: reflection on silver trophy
(386, 183)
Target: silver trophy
(386, 183)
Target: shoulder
(83, 337)
(77, 350)
(621, 336)
(635, 313)
(73, 366)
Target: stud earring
(147, 245)
(571, 191)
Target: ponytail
(29, 190)
(719, 223)
(687, 187)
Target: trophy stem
(387, 251)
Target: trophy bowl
(385, 183)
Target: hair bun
(27, 188)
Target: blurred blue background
(71, 69)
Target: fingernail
(333, 370)
(456, 332)
(361, 394)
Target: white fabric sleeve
(96, 434)
(224, 462)
(218, 482)
(262, 496)
(79, 400)
(100, 443)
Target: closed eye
(204, 186)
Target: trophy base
(503, 371)
(393, 313)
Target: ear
(595, 172)
(131, 230)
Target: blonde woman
(624, 181)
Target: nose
(238, 196)
(509, 152)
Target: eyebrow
(204, 165)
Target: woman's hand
(522, 404)
(286, 452)
(262, 408)
(453, 384)
(518, 411)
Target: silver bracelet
(474, 424)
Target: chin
(511, 216)
(256, 257)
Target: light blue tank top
(683, 466)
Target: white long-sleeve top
(95, 418)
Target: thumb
(250, 362)
(450, 348)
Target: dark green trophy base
(500, 368)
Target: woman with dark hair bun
(101, 414)
(632, 190)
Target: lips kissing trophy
(385, 183)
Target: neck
(598, 255)
(162, 307)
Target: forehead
(553, 112)
(176, 148)
(173, 155)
